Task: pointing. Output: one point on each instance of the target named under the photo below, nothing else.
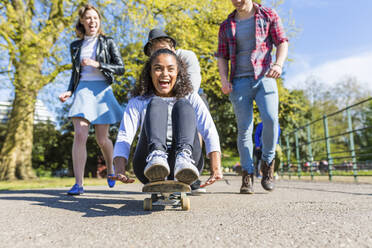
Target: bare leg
(105, 144)
(79, 151)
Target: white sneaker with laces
(157, 168)
(185, 170)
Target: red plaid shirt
(269, 31)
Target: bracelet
(278, 65)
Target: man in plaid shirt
(246, 38)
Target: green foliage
(294, 110)
(2, 134)
(195, 27)
(49, 150)
(46, 153)
(322, 100)
(334, 173)
(363, 138)
(230, 159)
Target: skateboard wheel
(185, 203)
(147, 204)
(183, 195)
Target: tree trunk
(16, 154)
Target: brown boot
(267, 180)
(247, 183)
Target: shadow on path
(93, 203)
(235, 193)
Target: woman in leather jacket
(95, 60)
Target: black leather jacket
(108, 56)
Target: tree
(30, 33)
(194, 24)
(363, 138)
(294, 112)
(323, 99)
(47, 154)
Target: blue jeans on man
(264, 92)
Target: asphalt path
(296, 214)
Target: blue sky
(335, 41)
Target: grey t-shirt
(192, 66)
(245, 44)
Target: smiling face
(161, 44)
(241, 4)
(164, 74)
(91, 22)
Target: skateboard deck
(166, 193)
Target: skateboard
(166, 193)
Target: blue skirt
(95, 102)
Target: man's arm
(280, 40)
(281, 54)
(223, 68)
(223, 56)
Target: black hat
(156, 34)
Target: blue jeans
(265, 93)
(154, 134)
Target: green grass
(47, 182)
(229, 159)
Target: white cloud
(331, 72)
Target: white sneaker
(157, 168)
(198, 191)
(185, 170)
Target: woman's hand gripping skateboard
(216, 172)
(120, 175)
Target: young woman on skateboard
(169, 116)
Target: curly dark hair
(144, 86)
